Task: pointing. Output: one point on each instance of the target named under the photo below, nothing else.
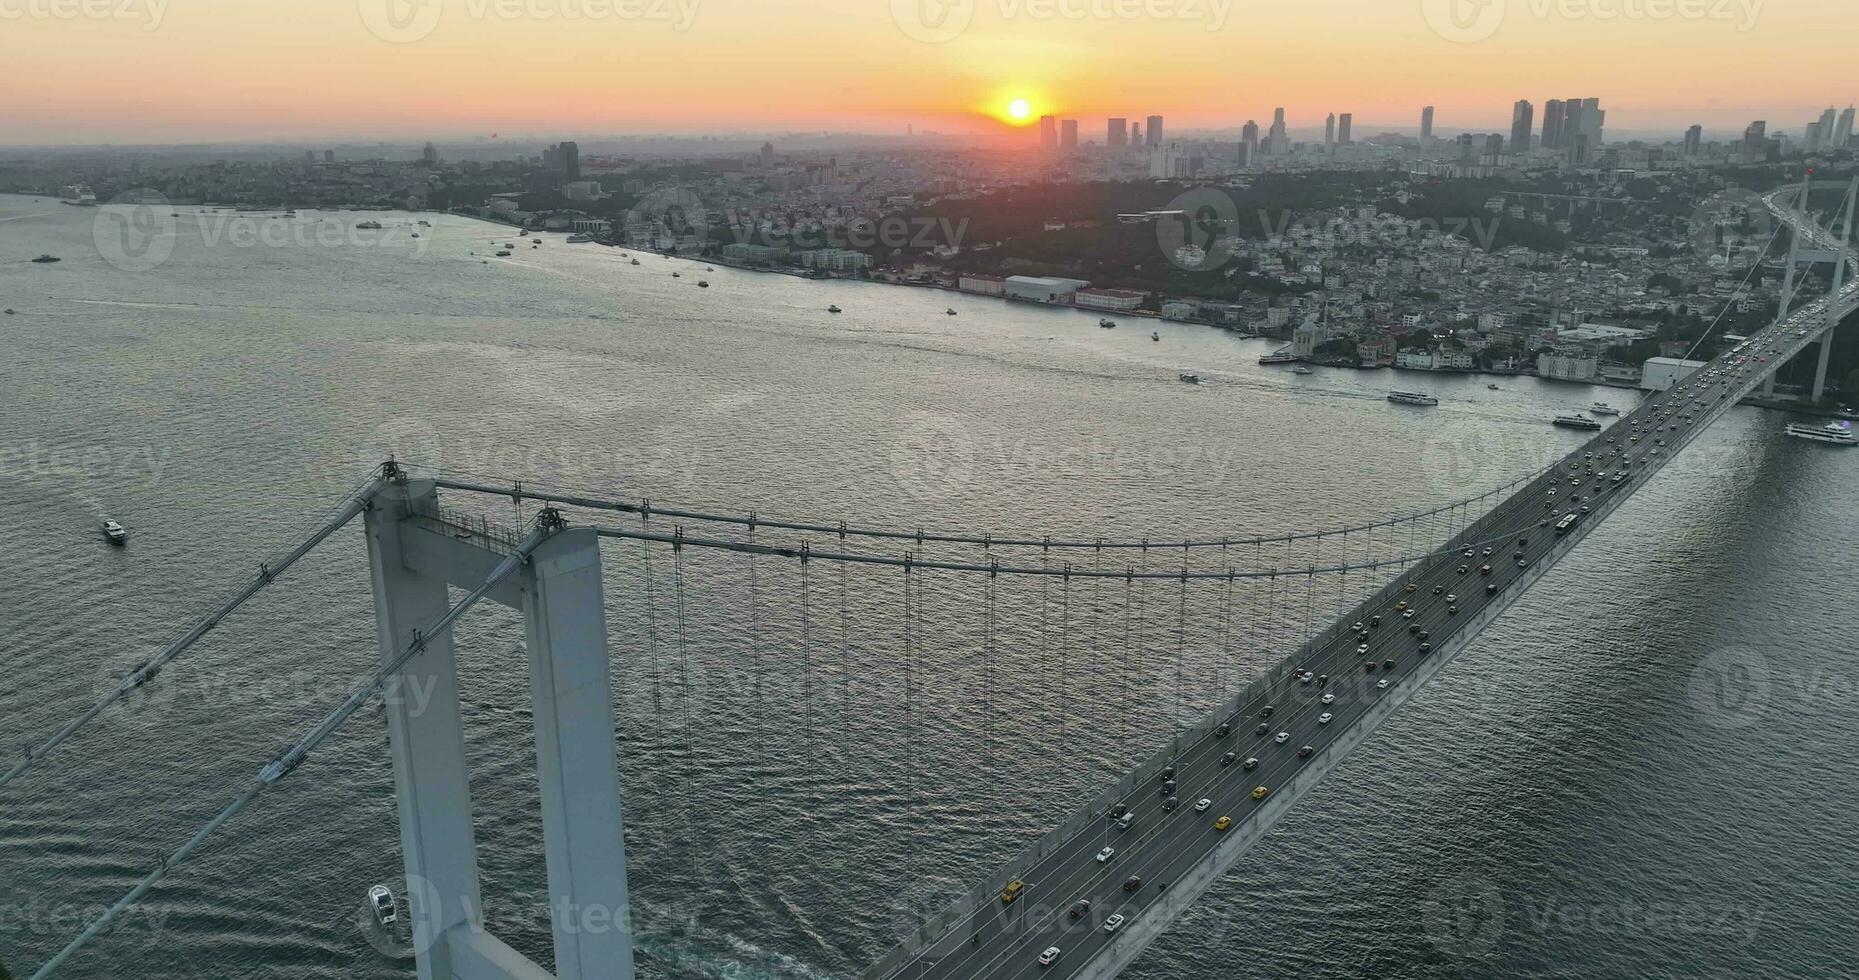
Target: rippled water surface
(807, 758)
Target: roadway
(999, 940)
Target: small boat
(416, 234)
(1107, 323)
(1412, 398)
(1301, 369)
(503, 253)
(1491, 387)
(1603, 408)
(1278, 357)
(47, 258)
(509, 244)
(115, 533)
(833, 309)
(1577, 421)
(381, 901)
(1833, 433)
(1155, 336)
(369, 226)
(709, 269)
(703, 283)
(536, 240)
(9, 311)
(635, 261)
(1192, 379)
(949, 312)
(676, 276)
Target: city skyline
(87, 81)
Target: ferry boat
(1833, 433)
(43, 259)
(503, 253)
(1279, 357)
(1576, 421)
(77, 195)
(1107, 323)
(1301, 369)
(1602, 408)
(115, 533)
(1412, 398)
(1192, 379)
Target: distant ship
(635, 261)
(47, 259)
(114, 533)
(1279, 357)
(833, 309)
(1155, 336)
(1603, 408)
(503, 253)
(1192, 379)
(1301, 369)
(77, 195)
(1833, 433)
(1412, 398)
(705, 283)
(1107, 323)
(578, 239)
(1576, 421)
(370, 225)
(949, 312)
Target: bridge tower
(1803, 258)
(416, 551)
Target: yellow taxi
(1223, 823)
(1259, 793)
(1411, 587)
(1402, 605)
(1012, 891)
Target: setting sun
(1019, 110)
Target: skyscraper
(1343, 122)
(1465, 148)
(1278, 123)
(1522, 126)
(1593, 118)
(1843, 130)
(1694, 141)
(1426, 123)
(1571, 124)
(1826, 126)
(1249, 135)
(1068, 135)
(1494, 148)
(1119, 133)
(429, 156)
(1755, 139)
(1329, 130)
(571, 161)
(1810, 137)
(1553, 124)
(1048, 132)
(1155, 130)
(1136, 134)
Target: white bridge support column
(427, 740)
(1839, 281)
(576, 763)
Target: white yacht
(115, 533)
(1602, 408)
(1833, 433)
(381, 900)
(1412, 398)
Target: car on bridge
(1012, 891)
(1103, 856)
(1324, 719)
(1201, 806)
(1132, 883)
(1081, 909)
(1223, 824)
(1260, 792)
(1249, 764)
(1050, 956)
(1113, 923)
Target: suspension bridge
(1211, 681)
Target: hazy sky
(141, 71)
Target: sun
(1019, 110)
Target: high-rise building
(1826, 126)
(1329, 130)
(1466, 149)
(1810, 137)
(1694, 141)
(1522, 126)
(429, 156)
(767, 155)
(1494, 148)
(1278, 123)
(1249, 135)
(1553, 124)
(1343, 122)
(1068, 135)
(571, 161)
(1843, 129)
(1155, 130)
(1119, 134)
(329, 156)
(1593, 118)
(1243, 158)
(1755, 139)
(1048, 132)
(1426, 123)
(1136, 134)
(1571, 123)
(1581, 151)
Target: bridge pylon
(416, 550)
(1800, 258)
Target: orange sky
(181, 70)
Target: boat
(1602, 408)
(1301, 369)
(9, 311)
(77, 195)
(676, 275)
(43, 259)
(115, 533)
(1833, 433)
(703, 283)
(1491, 387)
(1192, 379)
(503, 253)
(509, 244)
(833, 309)
(578, 239)
(1576, 421)
(635, 261)
(536, 240)
(416, 234)
(949, 312)
(381, 901)
(1412, 398)
(370, 225)
(1279, 357)
(709, 268)
(1107, 324)
(1155, 336)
